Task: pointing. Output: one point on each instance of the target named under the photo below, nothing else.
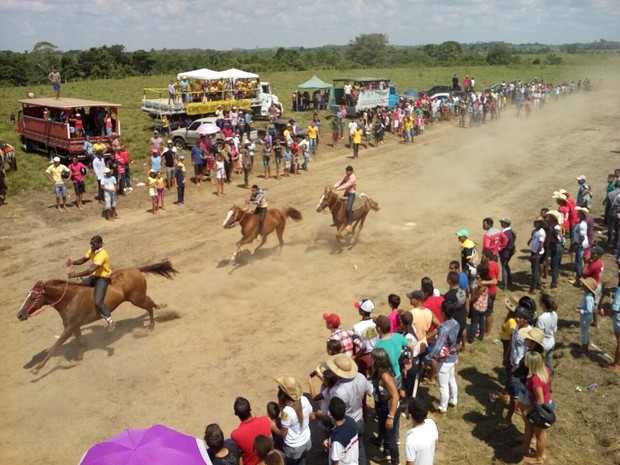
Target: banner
(207, 108)
(372, 99)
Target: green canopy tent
(312, 84)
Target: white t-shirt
(220, 170)
(367, 331)
(298, 435)
(420, 445)
(352, 127)
(583, 232)
(538, 240)
(548, 323)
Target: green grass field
(136, 125)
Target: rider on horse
(258, 198)
(98, 276)
(348, 184)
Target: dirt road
(227, 331)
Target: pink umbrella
(207, 128)
(157, 445)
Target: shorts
(617, 322)
(295, 160)
(56, 86)
(152, 192)
(79, 187)
(199, 169)
(278, 161)
(60, 190)
(170, 172)
(287, 164)
(266, 162)
(110, 199)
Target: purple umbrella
(157, 445)
(207, 128)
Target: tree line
(365, 51)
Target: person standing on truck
(172, 94)
(57, 173)
(55, 79)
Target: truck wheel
(28, 146)
(179, 143)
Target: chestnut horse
(338, 207)
(76, 303)
(275, 219)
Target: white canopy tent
(234, 73)
(203, 73)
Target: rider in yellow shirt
(98, 276)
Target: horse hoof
(35, 370)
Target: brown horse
(338, 208)
(275, 219)
(76, 303)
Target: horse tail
(370, 202)
(164, 269)
(292, 213)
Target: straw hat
(533, 334)
(342, 365)
(555, 214)
(511, 302)
(290, 386)
(590, 283)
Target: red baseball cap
(332, 319)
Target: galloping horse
(76, 303)
(338, 208)
(275, 219)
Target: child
(287, 161)
(151, 183)
(295, 157)
(180, 180)
(508, 327)
(586, 311)
(273, 412)
(160, 183)
(548, 323)
(328, 380)
(220, 174)
(479, 304)
(264, 450)
(523, 315)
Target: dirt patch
(228, 330)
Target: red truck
(59, 127)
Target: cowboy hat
(533, 334)
(290, 386)
(590, 283)
(555, 214)
(342, 365)
(511, 302)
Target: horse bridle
(39, 294)
(326, 199)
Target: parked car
(440, 89)
(187, 137)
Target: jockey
(348, 184)
(98, 276)
(258, 198)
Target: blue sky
(228, 24)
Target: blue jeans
(101, 286)
(579, 261)
(388, 435)
(477, 321)
(360, 440)
(312, 145)
(350, 199)
(585, 320)
(304, 165)
(506, 273)
(297, 455)
(127, 176)
(181, 193)
(535, 270)
(556, 260)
